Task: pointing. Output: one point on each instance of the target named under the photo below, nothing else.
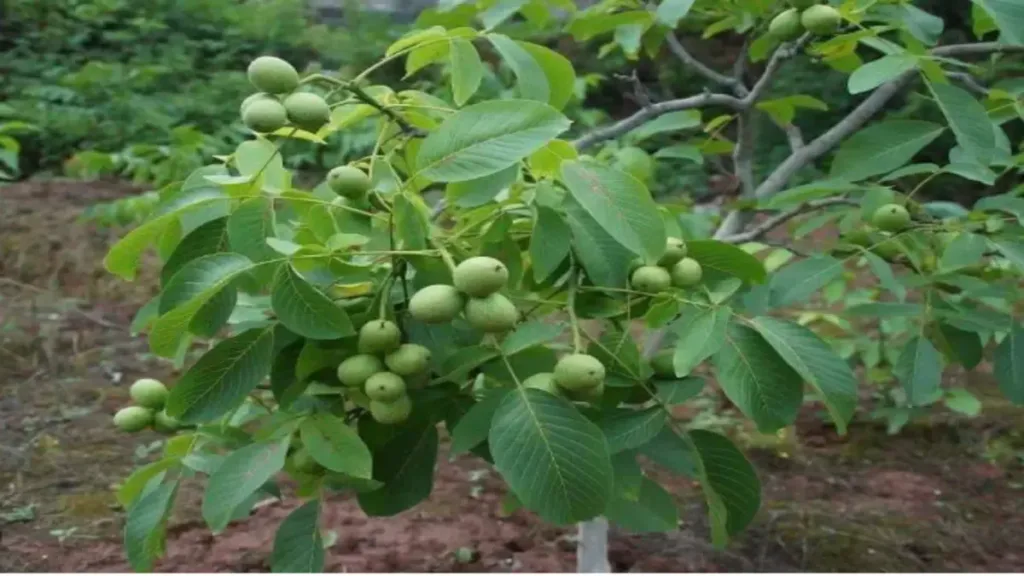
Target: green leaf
(249, 227)
(484, 138)
(467, 70)
(145, 527)
(603, 257)
(962, 401)
(500, 11)
(555, 460)
(627, 429)
(620, 204)
(970, 122)
(965, 250)
(798, 281)
(305, 310)
(123, 257)
(1009, 365)
(959, 345)
(883, 271)
(783, 110)
(549, 244)
(679, 391)
(223, 377)
(652, 509)
(1013, 250)
(241, 474)
(887, 310)
(878, 72)
(532, 83)
(816, 362)
(701, 333)
(134, 485)
(298, 546)
(670, 12)
(757, 380)
(729, 482)
(404, 462)
(726, 259)
(530, 334)
(188, 291)
(560, 74)
(260, 157)
(882, 148)
(474, 426)
(919, 368)
(336, 445)
(480, 191)
(681, 152)
(206, 239)
(671, 122)
(1008, 16)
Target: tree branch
(732, 83)
(648, 113)
(770, 224)
(795, 136)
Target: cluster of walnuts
(820, 19)
(674, 268)
(148, 411)
(278, 103)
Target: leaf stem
(574, 279)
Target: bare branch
(795, 136)
(969, 81)
(743, 154)
(979, 49)
(770, 224)
(783, 53)
(681, 53)
(653, 111)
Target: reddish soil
(945, 495)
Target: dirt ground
(945, 495)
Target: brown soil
(945, 495)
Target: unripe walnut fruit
(891, 218)
(687, 272)
(494, 313)
(480, 276)
(349, 182)
(544, 381)
(408, 360)
(307, 111)
(391, 412)
(379, 337)
(149, 393)
(436, 304)
(821, 19)
(786, 26)
(651, 279)
(579, 371)
(273, 75)
(355, 371)
(675, 250)
(385, 387)
(264, 115)
(133, 418)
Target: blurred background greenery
(149, 91)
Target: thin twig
(779, 219)
(688, 59)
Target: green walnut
(889, 249)
(264, 115)
(436, 304)
(578, 372)
(349, 182)
(273, 75)
(355, 371)
(164, 423)
(821, 19)
(859, 237)
(301, 461)
(253, 98)
(786, 26)
(686, 273)
(663, 364)
(651, 279)
(385, 387)
(408, 360)
(592, 394)
(891, 218)
(675, 250)
(307, 111)
(133, 418)
(149, 393)
(394, 412)
(480, 276)
(379, 337)
(544, 381)
(494, 313)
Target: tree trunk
(592, 547)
